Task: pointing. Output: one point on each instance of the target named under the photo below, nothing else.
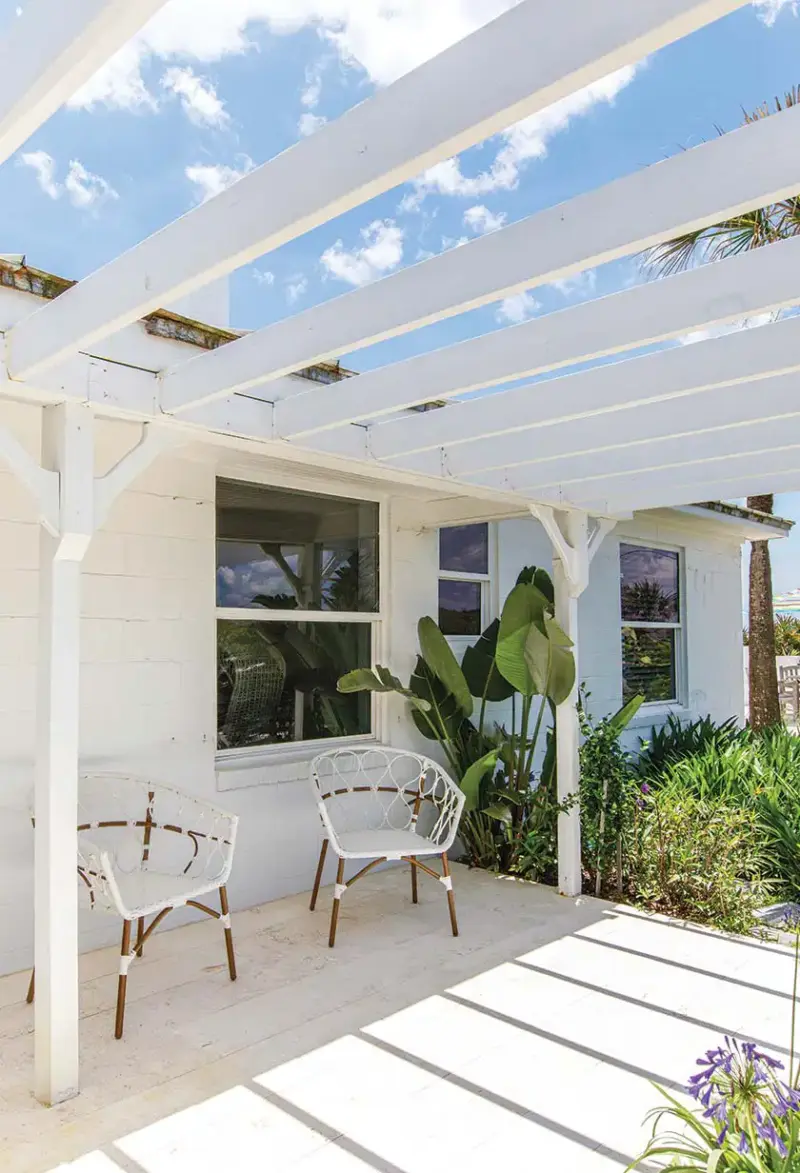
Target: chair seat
(385, 842)
(145, 892)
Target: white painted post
(68, 448)
(567, 591)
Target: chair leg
(226, 916)
(318, 877)
(451, 900)
(122, 984)
(336, 902)
(31, 987)
(414, 899)
(139, 936)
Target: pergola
(720, 418)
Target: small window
(650, 603)
(463, 579)
(288, 565)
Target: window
(297, 605)
(651, 622)
(463, 579)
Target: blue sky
(211, 89)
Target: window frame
(679, 627)
(255, 755)
(488, 582)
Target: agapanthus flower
(741, 1093)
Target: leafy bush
(698, 858)
(676, 740)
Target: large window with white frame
(651, 605)
(297, 606)
(464, 579)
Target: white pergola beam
(754, 283)
(679, 484)
(51, 49)
(465, 429)
(727, 488)
(581, 474)
(734, 173)
(526, 59)
(637, 437)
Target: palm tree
(755, 229)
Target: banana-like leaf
(379, 680)
(524, 609)
(550, 662)
(474, 775)
(541, 580)
(503, 813)
(442, 708)
(480, 669)
(438, 655)
(623, 717)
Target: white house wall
(149, 657)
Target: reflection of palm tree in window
(647, 602)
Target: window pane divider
(464, 575)
(294, 615)
(672, 625)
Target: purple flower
(645, 788)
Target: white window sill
(657, 714)
(274, 765)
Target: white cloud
(381, 252)
(769, 9)
(729, 328)
(199, 99)
(309, 123)
(83, 188)
(263, 276)
(517, 308)
(384, 40)
(44, 166)
(296, 286)
(522, 142)
(577, 287)
(481, 220)
(212, 178)
(449, 242)
(310, 94)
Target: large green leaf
(541, 580)
(526, 607)
(480, 669)
(623, 717)
(378, 680)
(444, 712)
(471, 781)
(550, 662)
(439, 657)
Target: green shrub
(675, 741)
(698, 859)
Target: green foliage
(787, 635)
(700, 859)
(675, 740)
(608, 794)
(438, 656)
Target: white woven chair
(384, 804)
(145, 849)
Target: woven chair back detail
(380, 788)
(129, 825)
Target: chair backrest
(128, 824)
(256, 688)
(789, 672)
(377, 787)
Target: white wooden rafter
(389, 139)
(695, 188)
(49, 50)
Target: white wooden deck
(533, 1036)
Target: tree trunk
(764, 705)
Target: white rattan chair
(145, 849)
(382, 804)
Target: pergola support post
(573, 550)
(67, 450)
(71, 503)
